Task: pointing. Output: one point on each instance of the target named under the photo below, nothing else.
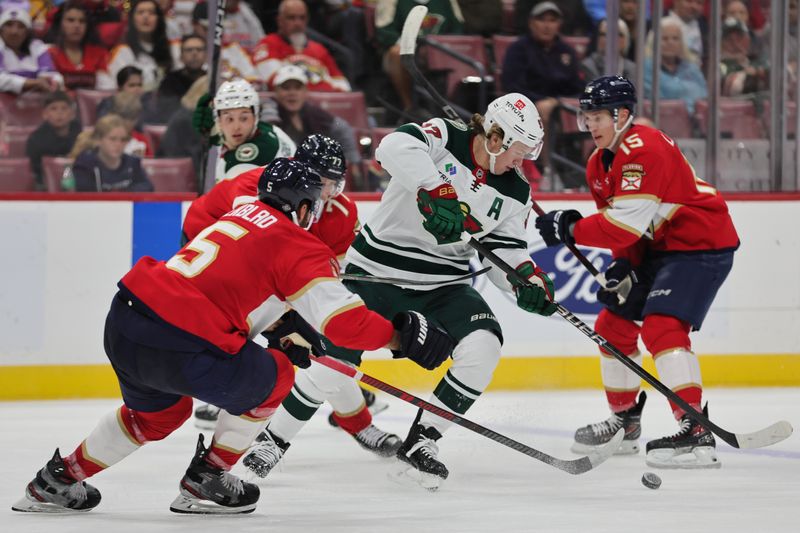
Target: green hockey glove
(536, 296)
(203, 116)
(442, 212)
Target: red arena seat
(53, 169)
(21, 109)
(469, 45)
(171, 174)
(16, 175)
(88, 99)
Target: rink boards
(61, 261)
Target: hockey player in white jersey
(447, 180)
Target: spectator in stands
(739, 74)
(444, 17)
(105, 19)
(181, 139)
(694, 28)
(299, 119)
(146, 45)
(55, 136)
(593, 65)
(738, 10)
(176, 83)
(791, 44)
(575, 19)
(82, 63)
(129, 80)
(174, 31)
(101, 164)
(25, 64)
(679, 77)
(628, 11)
(235, 61)
(482, 17)
(291, 45)
(242, 25)
(128, 107)
(540, 65)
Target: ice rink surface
(327, 483)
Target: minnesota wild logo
(471, 224)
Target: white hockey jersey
(393, 242)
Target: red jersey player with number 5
(672, 241)
(183, 329)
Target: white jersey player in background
(446, 178)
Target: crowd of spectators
(144, 64)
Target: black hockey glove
(555, 227)
(421, 341)
(620, 279)
(291, 324)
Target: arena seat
(673, 118)
(791, 117)
(471, 46)
(16, 175)
(737, 118)
(154, 133)
(88, 100)
(21, 109)
(53, 170)
(351, 106)
(171, 174)
(16, 138)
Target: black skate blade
(185, 504)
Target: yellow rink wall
(61, 260)
(513, 373)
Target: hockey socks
(122, 432)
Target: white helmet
(519, 120)
(235, 94)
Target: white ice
(328, 483)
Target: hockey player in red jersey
(183, 328)
(672, 241)
(336, 227)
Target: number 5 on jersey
(206, 250)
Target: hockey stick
(572, 466)
(758, 439)
(216, 8)
(408, 45)
(401, 281)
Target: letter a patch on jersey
(631, 177)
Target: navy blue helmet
(324, 155)
(609, 92)
(286, 183)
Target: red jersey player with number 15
(672, 241)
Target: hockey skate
(590, 438)
(417, 457)
(265, 453)
(205, 417)
(54, 490)
(374, 404)
(378, 441)
(691, 447)
(206, 489)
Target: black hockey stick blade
(758, 439)
(401, 281)
(570, 466)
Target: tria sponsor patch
(632, 177)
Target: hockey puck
(651, 481)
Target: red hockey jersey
(236, 276)
(337, 227)
(650, 190)
(273, 51)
